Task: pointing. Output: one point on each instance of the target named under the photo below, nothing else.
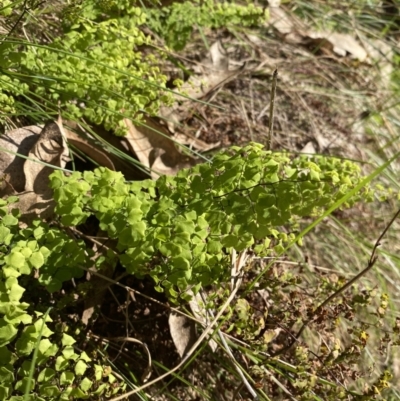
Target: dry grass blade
(197, 305)
(238, 264)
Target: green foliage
(94, 70)
(60, 371)
(180, 230)
(175, 23)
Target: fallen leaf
(323, 143)
(98, 285)
(87, 145)
(103, 147)
(29, 177)
(155, 149)
(288, 27)
(6, 188)
(49, 148)
(294, 31)
(32, 206)
(183, 332)
(214, 72)
(341, 44)
(308, 148)
(12, 142)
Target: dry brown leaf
(183, 332)
(288, 27)
(294, 31)
(155, 149)
(6, 188)
(280, 20)
(32, 206)
(87, 145)
(29, 178)
(100, 150)
(49, 148)
(19, 141)
(341, 44)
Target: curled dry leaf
(49, 148)
(87, 145)
(183, 332)
(29, 177)
(19, 141)
(104, 148)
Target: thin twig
(271, 108)
(370, 264)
